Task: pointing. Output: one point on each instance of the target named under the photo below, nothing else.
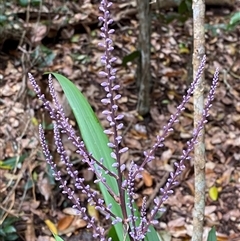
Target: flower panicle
(150, 155)
(61, 125)
(65, 189)
(130, 196)
(112, 97)
(109, 84)
(172, 180)
(58, 116)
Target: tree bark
(144, 65)
(198, 7)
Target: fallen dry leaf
(147, 178)
(76, 224)
(38, 33)
(44, 186)
(45, 238)
(64, 223)
(30, 230)
(71, 211)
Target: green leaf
(9, 221)
(182, 8)
(11, 237)
(235, 18)
(3, 19)
(35, 3)
(130, 57)
(112, 233)
(10, 229)
(96, 143)
(57, 238)
(23, 3)
(43, 56)
(11, 162)
(169, 17)
(212, 235)
(2, 233)
(29, 184)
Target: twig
(7, 211)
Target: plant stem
(199, 149)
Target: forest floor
(29, 196)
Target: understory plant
(102, 149)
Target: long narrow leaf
(212, 235)
(96, 143)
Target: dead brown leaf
(30, 230)
(147, 178)
(44, 186)
(64, 223)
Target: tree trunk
(198, 7)
(144, 66)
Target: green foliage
(183, 14)
(7, 230)
(36, 3)
(57, 238)
(12, 162)
(185, 7)
(130, 57)
(43, 56)
(40, 55)
(212, 235)
(96, 143)
(234, 20)
(25, 3)
(3, 19)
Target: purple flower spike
(111, 87)
(172, 180)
